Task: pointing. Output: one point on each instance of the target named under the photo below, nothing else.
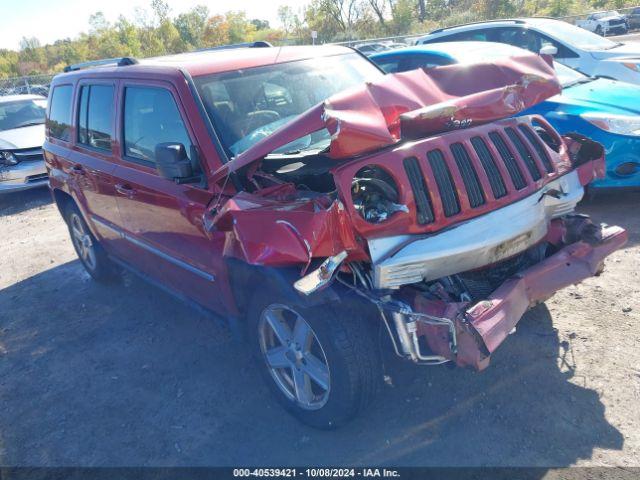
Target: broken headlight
(8, 158)
(375, 194)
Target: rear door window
(95, 116)
(151, 116)
(531, 40)
(518, 37)
(59, 121)
(480, 35)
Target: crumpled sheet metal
(422, 103)
(419, 103)
(488, 323)
(274, 228)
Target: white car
(575, 47)
(604, 23)
(21, 137)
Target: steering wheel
(259, 118)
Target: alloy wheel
(82, 241)
(294, 356)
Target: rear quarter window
(59, 121)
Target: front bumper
(476, 331)
(24, 175)
(618, 28)
(478, 242)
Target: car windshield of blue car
(568, 76)
(22, 113)
(578, 37)
(248, 105)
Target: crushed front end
(450, 218)
(493, 232)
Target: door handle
(77, 169)
(125, 190)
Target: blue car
(607, 111)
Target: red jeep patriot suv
(315, 202)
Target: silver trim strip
(144, 245)
(480, 241)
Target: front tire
(321, 363)
(91, 254)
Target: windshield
(578, 37)
(247, 105)
(22, 113)
(569, 76)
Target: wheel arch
(244, 279)
(62, 199)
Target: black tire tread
(358, 354)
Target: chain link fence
(33, 84)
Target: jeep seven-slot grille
(478, 169)
(489, 165)
(446, 187)
(509, 160)
(534, 140)
(423, 204)
(469, 175)
(524, 153)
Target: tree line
(155, 31)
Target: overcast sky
(50, 20)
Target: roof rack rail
(120, 62)
(258, 44)
(514, 20)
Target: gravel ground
(126, 375)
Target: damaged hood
(415, 104)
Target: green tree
(192, 24)
(216, 31)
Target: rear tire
(90, 253)
(328, 377)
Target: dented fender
(279, 227)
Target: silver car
(21, 138)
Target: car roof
(459, 51)
(534, 21)
(204, 62)
(25, 96)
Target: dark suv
(320, 206)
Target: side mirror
(549, 50)
(172, 162)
